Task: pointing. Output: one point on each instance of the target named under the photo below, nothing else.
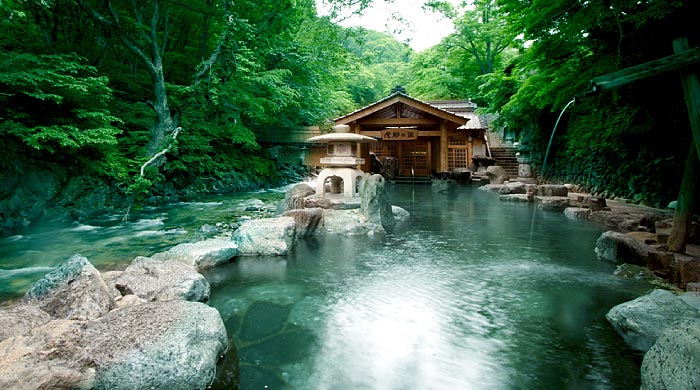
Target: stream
(470, 294)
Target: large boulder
(350, 223)
(577, 212)
(620, 248)
(159, 345)
(552, 203)
(306, 221)
(374, 202)
(19, 320)
(513, 187)
(294, 197)
(672, 363)
(74, 290)
(496, 174)
(641, 321)
(158, 280)
(265, 237)
(552, 190)
(201, 254)
(401, 215)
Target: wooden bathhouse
(426, 138)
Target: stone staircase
(505, 157)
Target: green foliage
(619, 143)
(52, 102)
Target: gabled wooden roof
(399, 109)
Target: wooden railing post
(688, 193)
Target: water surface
(471, 294)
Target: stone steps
(505, 157)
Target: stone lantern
(341, 161)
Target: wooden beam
(399, 122)
(648, 69)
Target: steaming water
(460, 298)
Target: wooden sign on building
(399, 134)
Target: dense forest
(108, 104)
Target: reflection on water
(469, 295)
(457, 299)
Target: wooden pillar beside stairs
(686, 206)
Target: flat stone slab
(265, 237)
(159, 280)
(202, 254)
(517, 198)
(577, 212)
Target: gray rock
(171, 345)
(400, 214)
(491, 187)
(110, 278)
(201, 254)
(265, 237)
(620, 248)
(306, 221)
(74, 290)
(374, 202)
(516, 198)
(158, 280)
(577, 212)
(691, 298)
(496, 174)
(177, 346)
(294, 197)
(641, 321)
(552, 203)
(672, 363)
(327, 202)
(19, 320)
(514, 187)
(552, 190)
(350, 223)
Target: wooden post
(687, 204)
(443, 148)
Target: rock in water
(201, 254)
(265, 237)
(156, 345)
(177, 346)
(306, 220)
(374, 202)
(496, 174)
(672, 363)
(620, 248)
(641, 321)
(74, 290)
(294, 197)
(157, 280)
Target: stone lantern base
(348, 176)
